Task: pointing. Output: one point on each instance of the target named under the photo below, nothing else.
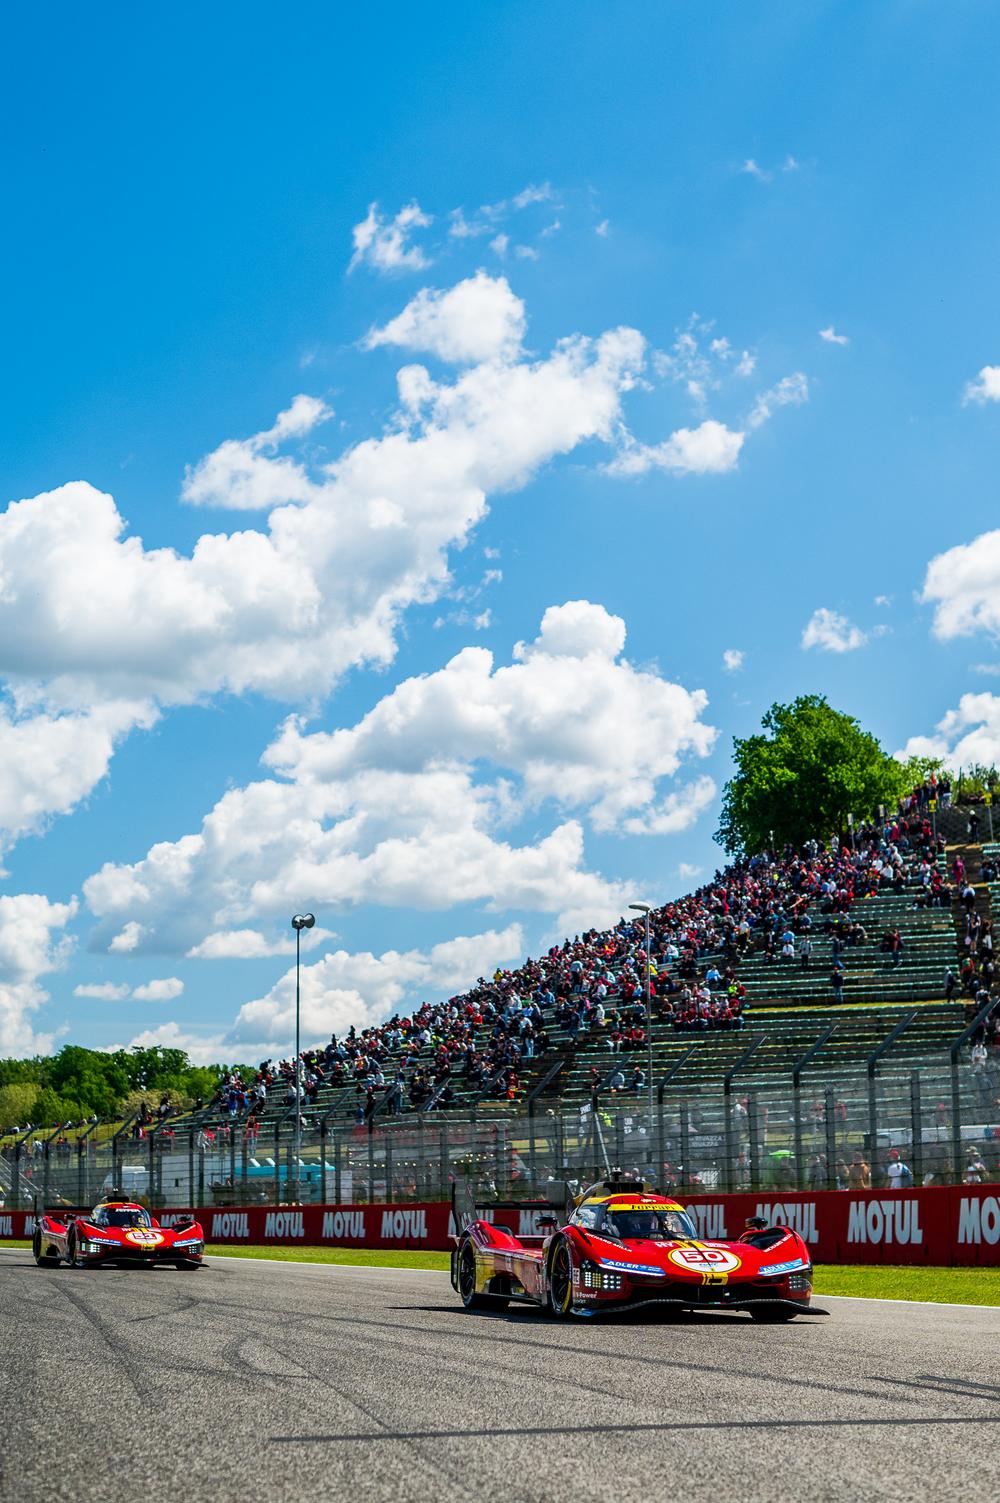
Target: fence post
(387, 1142)
(685, 1145)
(873, 1060)
(727, 1099)
(193, 1202)
(916, 1130)
(797, 1069)
(277, 1161)
(831, 1137)
(675, 1069)
(322, 1161)
(445, 1166)
(956, 1099)
(753, 1122)
(337, 1190)
(201, 1168)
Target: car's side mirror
(757, 1223)
(546, 1223)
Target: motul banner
(948, 1224)
(409, 1226)
(942, 1224)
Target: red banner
(941, 1225)
(409, 1226)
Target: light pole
(645, 909)
(299, 922)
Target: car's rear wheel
(772, 1315)
(46, 1259)
(561, 1280)
(471, 1299)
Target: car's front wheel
(561, 1280)
(76, 1258)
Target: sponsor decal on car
(789, 1267)
(141, 1236)
(619, 1264)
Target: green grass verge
(957, 1286)
(363, 1257)
(960, 1286)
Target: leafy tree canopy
(812, 767)
(78, 1082)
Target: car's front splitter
(622, 1307)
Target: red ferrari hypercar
(626, 1247)
(116, 1231)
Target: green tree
(17, 1103)
(811, 768)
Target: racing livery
(115, 1231)
(623, 1246)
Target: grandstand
(819, 999)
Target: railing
(759, 1128)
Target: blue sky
(620, 243)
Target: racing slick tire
(44, 1260)
(75, 1259)
(773, 1315)
(467, 1283)
(560, 1280)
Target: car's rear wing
(520, 1217)
(61, 1212)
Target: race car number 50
(704, 1259)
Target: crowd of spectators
(593, 988)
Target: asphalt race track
(271, 1381)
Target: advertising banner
(942, 1225)
(409, 1226)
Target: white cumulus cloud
(832, 337)
(709, 449)
(986, 386)
(479, 319)
(413, 806)
(102, 991)
(31, 945)
(791, 391)
(385, 244)
(163, 990)
(733, 659)
(963, 585)
(831, 632)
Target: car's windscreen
(131, 1216)
(655, 1223)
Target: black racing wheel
(44, 1260)
(561, 1280)
(76, 1258)
(471, 1299)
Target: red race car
(625, 1247)
(115, 1231)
